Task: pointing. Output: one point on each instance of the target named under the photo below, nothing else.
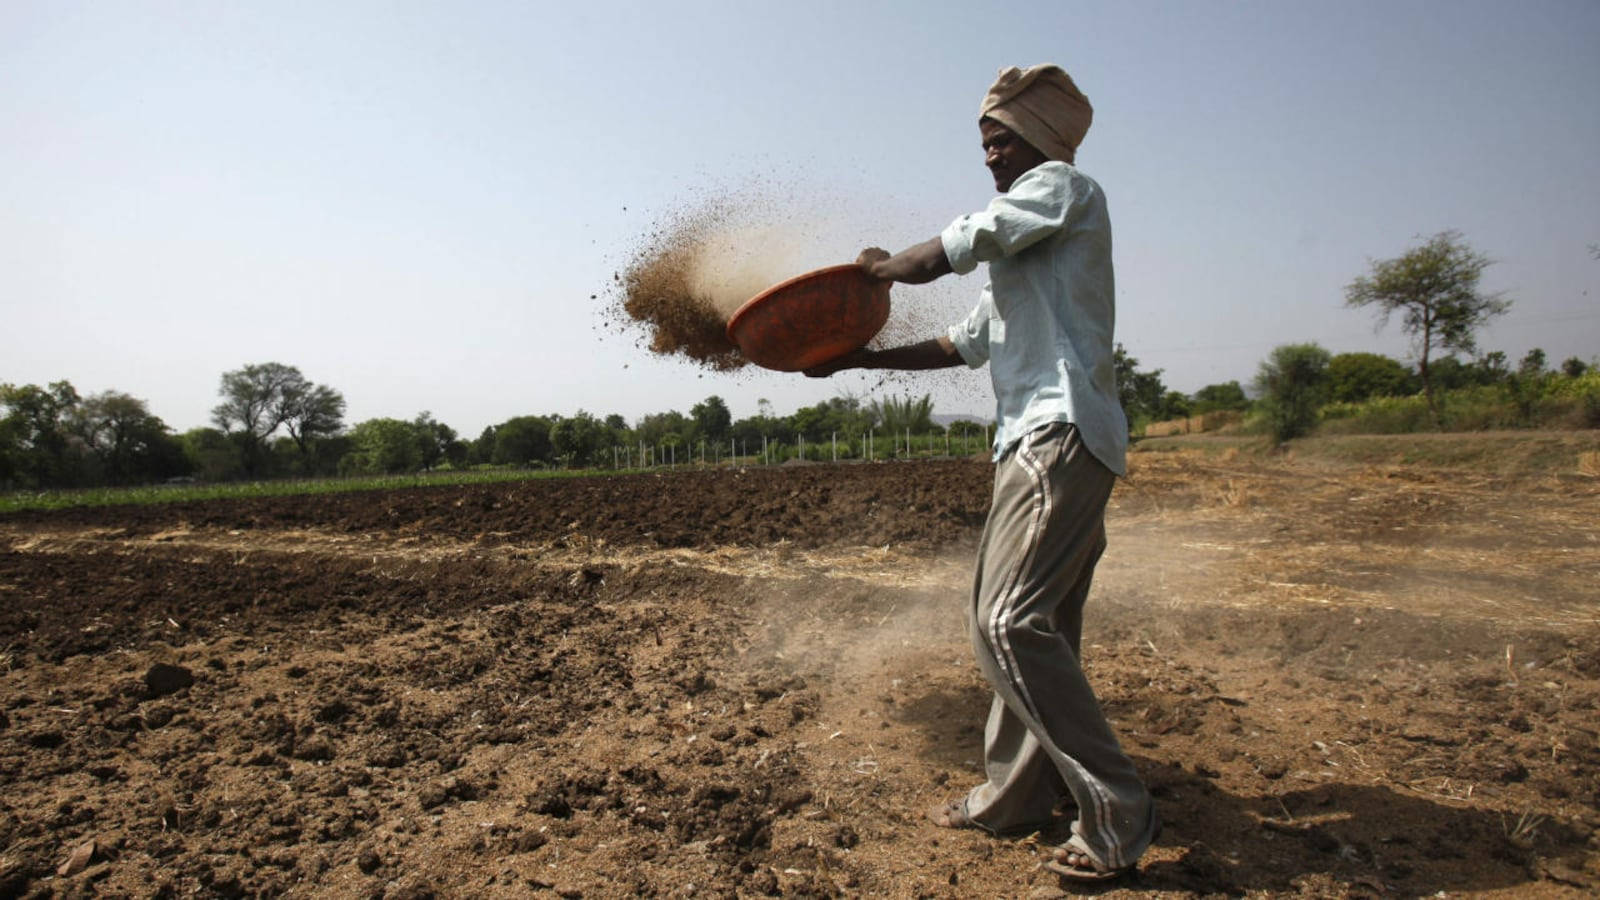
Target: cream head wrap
(1043, 106)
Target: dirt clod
(162, 679)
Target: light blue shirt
(1044, 321)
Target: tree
(211, 455)
(712, 419)
(1141, 393)
(437, 442)
(310, 412)
(36, 447)
(1293, 383)
(1532, 364)
(1213, 397)
(964, 428)
(129, 443)
(1435, 289)
(1175, 405)
(578, 440)
(522, 441)
(670, 428)
(751, 430)
(251, 406)
(382, 447)
(1527, 384)
(1450, 373)
(481, 451)
(905, 414)
(812, 421)
(1354, 377)
(1573, 367)
(842, 414)
(1491, 368)
(259, 398)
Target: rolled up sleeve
(971, 335)
(1037, 206)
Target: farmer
(1043, 323)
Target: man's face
(1006, 154)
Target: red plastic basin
(810, 319)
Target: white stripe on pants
(1046, 733)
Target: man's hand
(934, 353)
(869, 260)
(855, 359)
(917, 264)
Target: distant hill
(943, 419)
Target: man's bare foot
(951, 815)
(1072, 863)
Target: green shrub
(1547, 401)
(1293, 382)
(1575, 402)
(1378, 415)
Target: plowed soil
(1339, 681)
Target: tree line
(272, 422)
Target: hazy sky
(414, 202)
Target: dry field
(1339, 680)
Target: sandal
(1074, 861)
(1085, 868)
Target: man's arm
(917, 264)
(934, 353)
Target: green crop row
(181, 493)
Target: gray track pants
(1046, 733)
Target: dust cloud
(700, 261)
(696, 264)
(849, 637)
(693, 271)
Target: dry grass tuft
(1524, 831)
(1589, 463)
(1234, 495)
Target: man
(1044, 326)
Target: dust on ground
(1339, 680)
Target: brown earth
(1338, 680)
